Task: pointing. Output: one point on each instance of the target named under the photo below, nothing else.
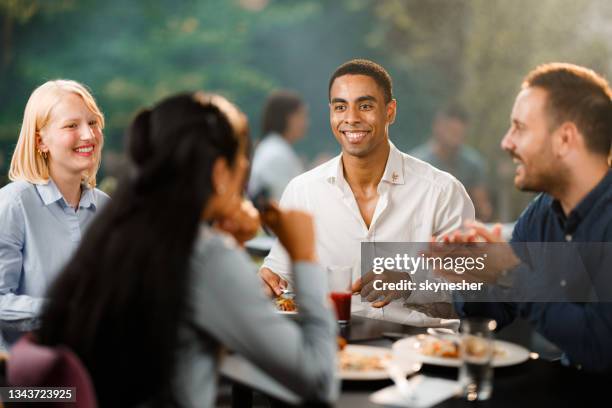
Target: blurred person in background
(275, 162)
(152, 298)
(52, 199)
(447, 151)
(371, 192)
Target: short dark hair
(365, 67)
(579, 95)
(454, 110)
(279, 106)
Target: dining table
(536, 382)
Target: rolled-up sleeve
(454, 207)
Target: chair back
(34, 365)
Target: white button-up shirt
(416, 201)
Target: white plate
(512, 353)
(383, 353)
(366, 375)
(292, 314)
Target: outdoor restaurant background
(131, 54)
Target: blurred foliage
(502, 45)
(479, 51)
(133, 53)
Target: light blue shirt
(225, 303)
(39, 231)
(275, 163)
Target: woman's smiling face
(72, 137)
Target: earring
(43, 154)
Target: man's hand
(380, 298)
(273, 284)
(476, 242)
(243, 224)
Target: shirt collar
(394, 169)
(49, 193)
(88, 198)
(586, 204)
(334, 171)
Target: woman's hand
(243, 224)
(295, 230)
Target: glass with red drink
(339, 280)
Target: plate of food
(356, 362)
(444, 350)
(367, 363)
(285, 306)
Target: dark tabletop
(363, 329)
(534, 383)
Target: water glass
(476, 350)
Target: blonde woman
(52, 198)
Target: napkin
(428, 391)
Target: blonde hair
(26, 164)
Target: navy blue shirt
(591, 220)
(583, 331)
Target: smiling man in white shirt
(371, 192)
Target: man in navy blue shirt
(560, 139)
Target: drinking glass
(339, 279)
(476, 350)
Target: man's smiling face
(528, 141)
(358, 114)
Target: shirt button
(563, 283)
(568, 237)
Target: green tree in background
(133, 53)
(502, 45)
(482, 49)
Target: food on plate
(352, 361)
(435, 347)
(285, 304)
(475, 347)
(449, 347)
